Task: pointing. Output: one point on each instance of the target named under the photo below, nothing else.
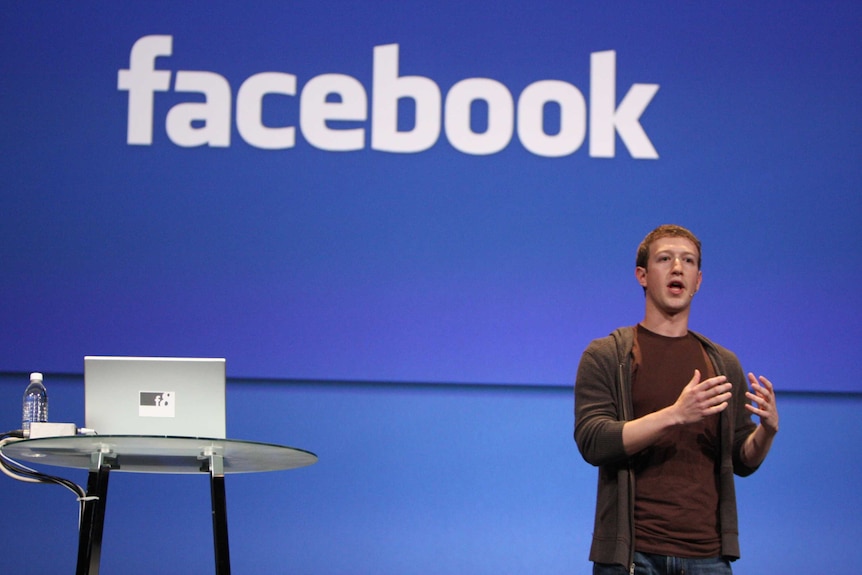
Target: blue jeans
(648, 564)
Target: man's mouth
(676, 287)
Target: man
(662, 412)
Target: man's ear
(640, 275)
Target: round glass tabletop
(157, 454)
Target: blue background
(417, 319)
(436, 266)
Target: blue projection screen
(443, 192)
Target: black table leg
(219, 512)
(93, 521)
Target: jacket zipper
(625, 400)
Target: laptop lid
(182, 397)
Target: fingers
(695, 378)
(717, 386)
(721, 400)
(766, 385)
(754, 409)
(706, 383)
(760, 383)
(713, 394)
(716, 409)
(710, 396)
(701, 399)
(761, 390)
(762, 397)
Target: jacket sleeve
(743, 426)
(598, 420)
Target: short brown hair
(664, 231)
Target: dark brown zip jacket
(603, 403)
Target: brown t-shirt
(676, 481)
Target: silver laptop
(180, 397)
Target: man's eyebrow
(681, 252)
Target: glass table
(102, 454)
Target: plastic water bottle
(35, 403)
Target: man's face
(671, 277)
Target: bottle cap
(36, 375)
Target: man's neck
(668, 325)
